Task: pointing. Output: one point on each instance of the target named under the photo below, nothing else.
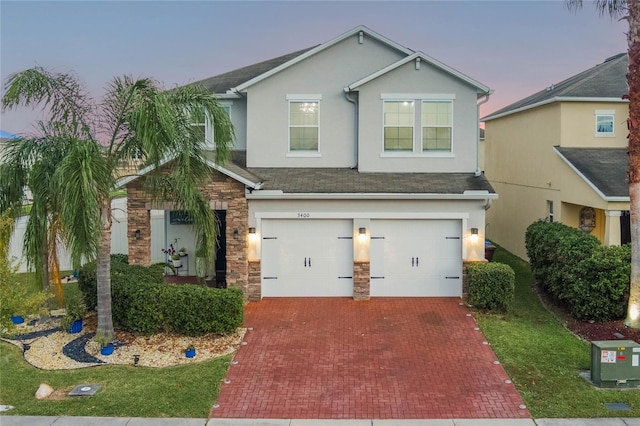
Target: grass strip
(544, 359)
(127, 391)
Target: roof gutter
(277, 194)
(357, 124)
(552, 100)
(484, 101)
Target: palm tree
(629, 10)
(88, 143)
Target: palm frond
(61, 94)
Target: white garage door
(307, 258)
(416, 258)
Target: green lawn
(127, 391)
(543, 359)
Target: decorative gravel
(51, 348)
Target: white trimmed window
(304, 123)
(202, 124)
(437, 119)
(398, 125)
(605, 122)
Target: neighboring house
(560, 154)
(356, 175)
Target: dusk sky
(514, 47)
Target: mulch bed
(590, 330)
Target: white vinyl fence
(119, 241)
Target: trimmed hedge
(143, 303)
(491, 286)
(592, 281)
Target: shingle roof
(605, 80)
(604, 168)
(350, 181)
(223, 82)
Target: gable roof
(320, 48)
(604, 169)
(604, 82)
(235, 169)
(222, 83)
(481, 88)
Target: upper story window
(437, 119)
(398, 125)
(203, 126)
(604, 122)
(304, 123)
(417, 124)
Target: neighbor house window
(604, 123)
(437, 117)
(550, 210)
(398, 125)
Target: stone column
(361, 280)
(138, 219)
(254, 288)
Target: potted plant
(201, 262)
(173, 254)
(106, 346)
(190, 351)
(17, 319)
(182, 252)
(75, 310)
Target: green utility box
(615, 363)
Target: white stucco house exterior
(355, 174)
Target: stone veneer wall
(361, 280)
(139, 218)
(227, 192)
(254, 291)
(224, 193)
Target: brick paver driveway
(387, 358)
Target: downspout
(355, 103)
(486, 99)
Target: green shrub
(196, 310)
(601, 291)
(141, 302)
(491, 286)
(15, 297)
(555, 252)
(87, 280)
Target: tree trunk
(103, 274)
(633, 123)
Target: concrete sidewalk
(137, 421)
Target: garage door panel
(311, 257)
(416, 258)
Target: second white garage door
(307, 258)
(416, 258)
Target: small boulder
(44, 391)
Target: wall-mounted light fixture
(474, 235)
(252, 231)
(136, 234)
(362, 231)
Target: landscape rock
(44, 391)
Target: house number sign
(304, 215)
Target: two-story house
(560, 154)
(356, 174)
